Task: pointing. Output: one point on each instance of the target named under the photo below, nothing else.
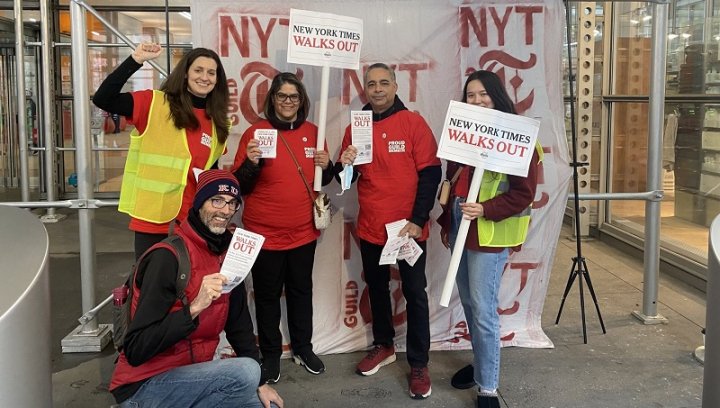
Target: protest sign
(487, 140)
(325, 40)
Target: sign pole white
(323, 40)
(460, 240)
(324, 89)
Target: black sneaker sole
(299, 361)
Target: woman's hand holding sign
(471, 211)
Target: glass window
(691, 172)
(110, 133)
(632, 45)
(691, 133)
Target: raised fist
(146, 51)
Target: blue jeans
(231, 382)
(478, 281)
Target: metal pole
(48, 109)
(648, 195)
(81, 137)
(115, 31)
(649, 313)
(20, 78)
(88, 337)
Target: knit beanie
(213, 182)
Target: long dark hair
(277, 82)
(180, 101)
(495, 89)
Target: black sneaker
(270, 370)
(464, 378)
(488, 401)
(310, 361)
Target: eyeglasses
(281, 97)
(219, 203)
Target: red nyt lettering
(230, 35)
(352, 79)
(500, 18)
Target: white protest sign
(324, 39)
(487, 138)
(362, 135)
(240, 257)
(267, 142)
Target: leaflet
(362, 135)
(392, 247)
(410, 252)
(240, 257)
(267, 142)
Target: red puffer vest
(204, 339)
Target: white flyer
(361, 130)
(392, 247)
(410, 252)
(240, 257)
(267, 142)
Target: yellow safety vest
(157, 166)
(511, 231)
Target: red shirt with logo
(403, 144)
(279, 206)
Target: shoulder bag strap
(456, 175)
(302, 175)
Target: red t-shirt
(199, 151)
(403, 144)
(279, 207)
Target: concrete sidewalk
(633, 365)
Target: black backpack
(121, 309)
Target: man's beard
(215, 226)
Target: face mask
(346, 178)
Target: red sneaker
(378, 357)
(420, 383)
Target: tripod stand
(579, 269)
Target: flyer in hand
(240, 257)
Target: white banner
(432, 45)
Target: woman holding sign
(275, 163)
(178, 128)
(499, 225)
